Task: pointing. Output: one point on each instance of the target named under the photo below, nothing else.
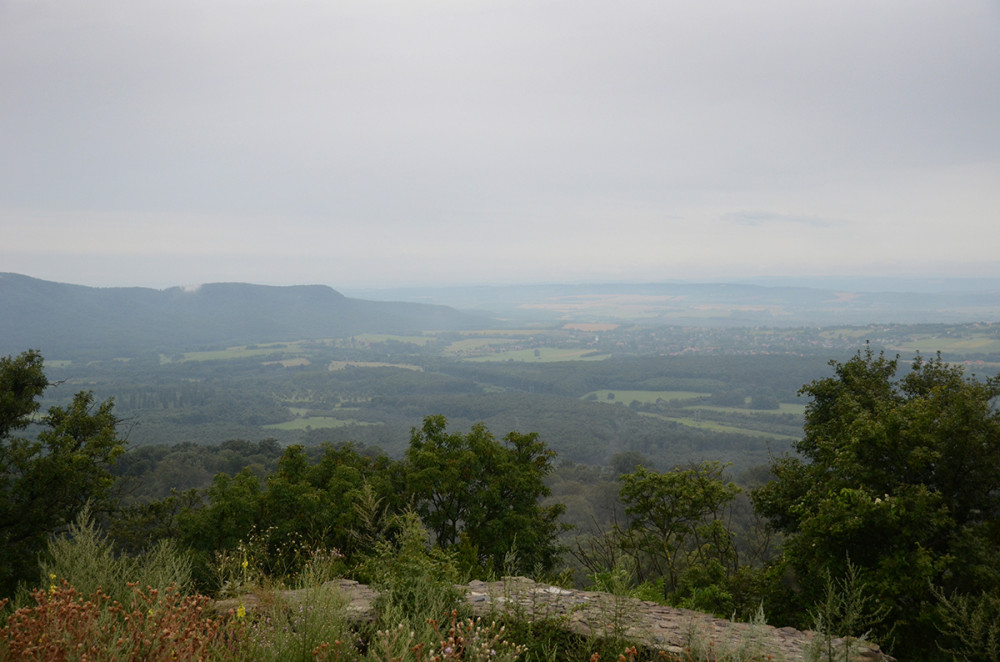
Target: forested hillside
(74, 319)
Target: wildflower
(241, 612)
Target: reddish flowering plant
(62, 625)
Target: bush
(416, 581)
(154, 626)
(83, 557)
(313, 627)
(970, 626)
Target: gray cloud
(402, 121)
(759, 218)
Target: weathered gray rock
(592, 614)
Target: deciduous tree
(46, 478)
(899, 476)
(677, 522)
(484, 494)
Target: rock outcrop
(592, 614)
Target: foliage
(416, 580)
(301, 508)
(309, 628)
(471, 640)
(677, 523)
(139, 526)
(750, 646)
(47, 479)
(898, 477)
(843, 618)
(482, 495)
(84, 557)
(153, 626)
(970, 626)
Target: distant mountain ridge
(59, 318)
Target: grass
(237, 352)
(689, 415)
(316, 422)
(645, 397)
(783, 408)
(343, 365)
(84, 558)
(719, 427)
(959, 339)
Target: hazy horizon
(834, 282)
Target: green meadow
(718, 427)
(315, 423)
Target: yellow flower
(245, 564)
(241, 612)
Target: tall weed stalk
(843, 618)
(84, 558)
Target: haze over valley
(676, 372)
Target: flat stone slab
(593, 614)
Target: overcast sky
(417, 142)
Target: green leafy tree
(677, 529)
(302, 506)
(48, 477)
(484, 495)
(899, 477)
(233, 510)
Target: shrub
(416, 581)
(312, 627)
(83, 558)
(156, 625)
